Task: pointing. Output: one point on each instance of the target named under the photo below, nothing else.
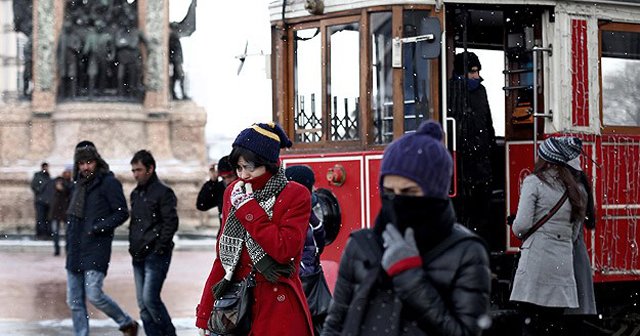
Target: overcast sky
(232, 102)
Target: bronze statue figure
(99, 53)
(177, 30)
(23, 22)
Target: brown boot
(131, 329)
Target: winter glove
(239, 196)
(400, 253)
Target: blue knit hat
(421, 157)
(301, 174)
(560, 150)
(265, 140)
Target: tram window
(620, 61)
(308, 82)
(381, 77)
(417, 73)
(343, 83)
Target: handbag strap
(546, 217)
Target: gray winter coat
(545, 274)
(584, 277)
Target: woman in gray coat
(544, 283)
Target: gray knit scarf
(234, 235)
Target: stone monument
(100, 72)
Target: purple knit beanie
(265, 140)
(421, 157)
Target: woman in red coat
(264, 226)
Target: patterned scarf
(234, 235)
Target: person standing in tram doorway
(265, 221)
(154, 222)
(469, 106)
(545, 283)
(416, 272)
(311, 274)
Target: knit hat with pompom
(264, 139)
(421, 157)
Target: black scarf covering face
(76, 205)
(432, 219)
(234, 236)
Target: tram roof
(295, 8)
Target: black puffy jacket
(154, 219)
(447, 296)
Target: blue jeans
(89, 285)
(150, 274)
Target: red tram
(350, 76)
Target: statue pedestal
(174, 135)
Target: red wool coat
(280, 308)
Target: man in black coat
(96, 209)
(154, 222)
(475, 139)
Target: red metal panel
(618, 205)
(373, 165)
(519, 165)
(579, 73)
(349, 194)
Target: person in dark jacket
(311, 274)
(39, 185)
(212, 191)
(154, 222)
(96, 208)
(59, 203)
(469, 105)
(417, 272)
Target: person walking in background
(39, 186)
(154, 222)
(416, 272)
(311, 274)
(96, 208)
(469, 105)
(212, 192)
(545, 283)
(265, 221)
(59, 204)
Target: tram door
(502, 38)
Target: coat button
(249, 217)
(281, 298)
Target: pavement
(33, 287)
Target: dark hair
(252, 157)
(570, 182)
(42, 165)
(144, 156)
